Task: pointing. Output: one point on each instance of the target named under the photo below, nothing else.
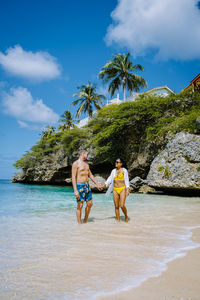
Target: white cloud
(20, 104)
(22, 124)
(37, 66)
(171, 28)
(29, 126)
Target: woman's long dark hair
(122, 161)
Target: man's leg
(122, 203)
(116, 202)
(78, 211)
(87, 210)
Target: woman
(118, 181)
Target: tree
(87, 99)
(67, 120)
(119, 72)
(49, 131)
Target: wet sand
(181, 280)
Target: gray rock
(136, 183)
(100, 181)
(68, 180)
(54, 169)
(178, 166)
(146, 189)
(18, 177)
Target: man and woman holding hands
(117, 182)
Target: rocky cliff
(151, 134)
(177, 167)
(58, 169)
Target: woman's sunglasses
(118, 162)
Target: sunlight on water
(46, 255)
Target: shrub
(119, 130)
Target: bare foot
(126, 219)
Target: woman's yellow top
(119, 177)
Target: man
(80, 181)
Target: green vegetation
(198, 168)
(119, 130)
(41, 152)
(119, 72)
(160, 168)
(72, 140)
(165, 170)
(67, 121)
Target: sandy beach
(44, 253)
(181, 280)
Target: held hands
(100, 187)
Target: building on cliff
(84, 121)
(114, 101)
(194, 84)
(162, 91)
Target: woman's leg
(116, 203)
(122, 203)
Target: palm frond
(114, 85)
(87, 98)
(79, 111)
(119, 72)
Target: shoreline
(180, 280)
(192, 192)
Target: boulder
(68, 180)
(136, 183)
(178, 165)
(146, 189)
(100, 181)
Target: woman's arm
(126, 179)
(108, 181)
(127, 184)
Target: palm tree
(120, 72)
(63, 127)
(67, 119)
(87, 98)
(49, 131)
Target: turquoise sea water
(44, 254)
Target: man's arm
(93, 179)
(74, 173)
(108, 181)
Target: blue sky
(50, 47)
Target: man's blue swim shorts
(84, 191)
